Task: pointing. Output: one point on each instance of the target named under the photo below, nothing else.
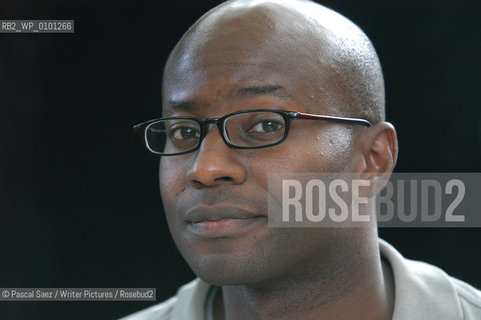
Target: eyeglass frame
(288, 116)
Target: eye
(184, 133)
(266, 126)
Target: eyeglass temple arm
(302, 115)
(139, 126)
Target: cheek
(311, 151)
(335, 148)
(171, 180)
(306, 151)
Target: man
(256, 70)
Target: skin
(277, 273)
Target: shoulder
(469, 298)
(161, 311)
(426, 292)
(188, 301)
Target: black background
(79, 198)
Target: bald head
(330, 57)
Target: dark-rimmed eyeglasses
(247, 129)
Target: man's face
(219, 182)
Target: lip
(220, 221)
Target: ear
(375, 151)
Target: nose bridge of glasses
(208, 123)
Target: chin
(229, 279)
(222, 272)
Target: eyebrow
(249, 91)
(181, 105)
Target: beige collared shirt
(422, 292)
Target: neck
(362, 288)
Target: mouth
(221, 221)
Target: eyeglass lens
(250, 129)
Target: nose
(215, 163)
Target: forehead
(226, 81)
(228, 75)
(228, 59)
